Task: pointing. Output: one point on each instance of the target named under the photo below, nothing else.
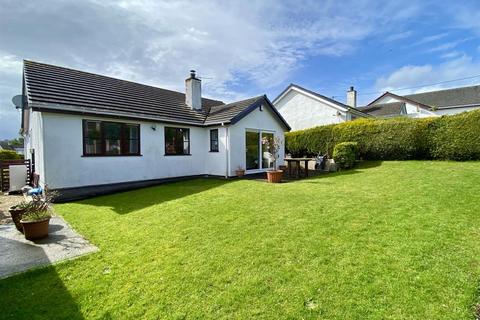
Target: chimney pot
(352, 97)
(193, 91)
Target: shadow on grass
(36, 294)
(356, 170)
(130, 201)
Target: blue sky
(243, 48)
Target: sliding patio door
(252, 145)
(258, 155)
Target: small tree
(273, 145)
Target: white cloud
(422, 76)
(245, 47)
(10, 64)
(431, 38)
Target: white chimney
(193, 92)
(352, 97)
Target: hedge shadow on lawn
(134, 200)
(355, 170)
(36, 294)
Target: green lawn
(391, 240)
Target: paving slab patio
(18, 254)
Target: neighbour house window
(214, 140)
(177, 141)
(104, 138)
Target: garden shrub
(9, 155)
(345, 154)
(454, 137)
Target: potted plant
(36, 218)
(273, 145)
(240, 172)
(16, 212)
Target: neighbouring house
(19, 150)
(303, 108)
(426, 104)
(91, 134)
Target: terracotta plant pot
(240, 173)
(16, 214)
(35, 229)
(274, 176)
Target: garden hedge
(345, 154)
(9, 155)
(455, 137)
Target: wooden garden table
(298, 161)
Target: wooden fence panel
(5, 172)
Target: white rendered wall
(216, 162)
(302, 112)
(66, 167)
(256, 120)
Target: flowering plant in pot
(16, 212)
(240, 172)
(273, 145)
(37, 216)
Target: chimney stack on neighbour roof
(352, 97)
(193, 91)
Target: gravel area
(6, 201)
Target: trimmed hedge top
(454, 137)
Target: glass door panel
(252, 150)
(267, 156)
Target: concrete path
(18, 254)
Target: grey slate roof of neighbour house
(385, 109)
(465, 96)
(58, 89)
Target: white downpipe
(227, 151)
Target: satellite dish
(17, 101)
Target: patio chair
(320, 161)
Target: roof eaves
(62, 108)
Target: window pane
(112, 130)
(112, 138)
(93, 146)
(252, 145)
(92, 138)
(177, 141)
(267, 155)
(112, 146)
(131, 135)
(133, 147)
(214, 140)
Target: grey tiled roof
(385, 109)
(59, 89)
(449, 97)
(48, 84)
(227, 112)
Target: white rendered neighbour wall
(302, 112)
